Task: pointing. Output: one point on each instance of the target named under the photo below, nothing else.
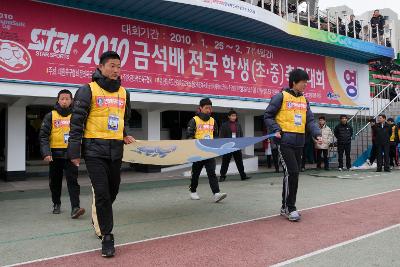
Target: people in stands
(377, 23)
(353, 24)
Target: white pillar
(247, 122)
(152, 124)
(15, 165)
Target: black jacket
(379, 20)
(191, 128)
(45, 133)
(350, 30)
(382, 135)
(343, 133)
(225, 131)
(94, 147)
(290, 139)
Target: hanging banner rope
(175, 152)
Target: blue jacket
(290, 139)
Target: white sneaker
(194, 196)
(368, 162)
(219, 196)
(340, 169)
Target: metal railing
(360, 120)
(363, 136)
(326, 20)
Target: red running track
(257, 243)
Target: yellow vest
(204, 129)
(59, 130)
(393, 133)
(292, 115)
(106, 115)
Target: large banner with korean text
(51, 44)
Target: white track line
(334, 246)
(199, 230)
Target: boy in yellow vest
(54, 134)
(394, 140)
(288, 115)
(203, 126)
(99, 126)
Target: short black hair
(205, 101)
(382, 115)
(64, 91)
(322, 118)
(296, 76)
(108, 55)
(390, 119)
(231, 111)
(343, 116)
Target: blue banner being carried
(175, 152)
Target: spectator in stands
(323, 148)
(313, 22)
(388, 43)
(377, 24)
(382, 132)
(353, 24)
(342, 27)
(394, 140)
(343, 133)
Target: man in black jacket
(203, 126)
(382, 132)
(377, 24)
(354, 24)
(343, 133)
(54, 134)
(232, 129)
(99, 126)
(288, 115)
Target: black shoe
(57, 209)
(379, 170)
(326, 169)
(245, 178)
(303, 169)
(77, 212)
(222, 178)
(107, 246)
(387, 170)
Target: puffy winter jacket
(290, 139)
(94, 147)
(343, 133)
(327, 138)
(45, 133)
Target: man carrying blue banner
(203, 126)
(287, 115)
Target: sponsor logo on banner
(50, 43)
(332, 95)
(14, 57)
